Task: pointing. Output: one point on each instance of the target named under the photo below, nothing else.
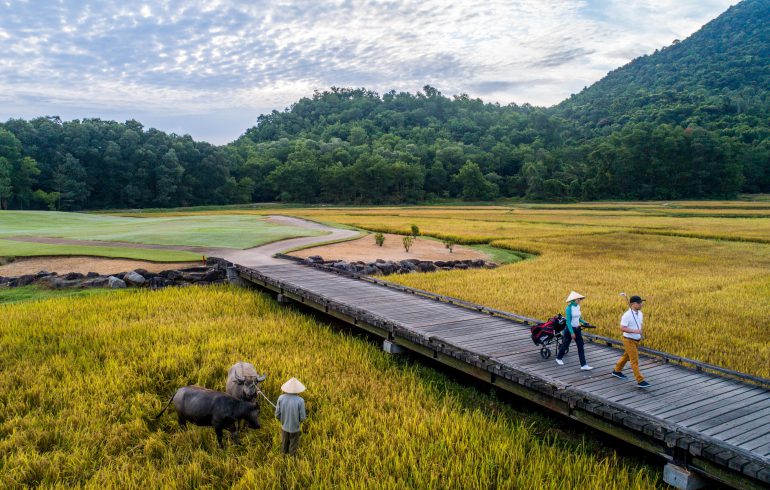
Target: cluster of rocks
(137, 278)
(386, 267)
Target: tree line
(354, 146)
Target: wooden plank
(755, 444)
(449, 325)
(741, 429)
(699, 407)
(696, 393)
(726, 410)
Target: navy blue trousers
(565, 345)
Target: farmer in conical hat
(290, 410)
(573, 331)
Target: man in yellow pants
(631, 325)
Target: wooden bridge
(703, 419)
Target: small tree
(379, 239)
(450, 244)
(408, 240)
(415, 231)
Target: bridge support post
(282, 299)
(681, 478)
(392, 348)
(233, 277)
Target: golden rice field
(707, 297)
(82, 379)
(704, 266)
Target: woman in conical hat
(573, 330)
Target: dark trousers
(565, 345)
(289, 442)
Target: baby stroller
(547, 334)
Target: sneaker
(643, 384)
(559, 362)
(585, 367)
(618, 374)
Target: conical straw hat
(574, 295)
(293, 386)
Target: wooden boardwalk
(713, 423)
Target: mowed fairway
(703, 266)
(84, 377)
(237, 232)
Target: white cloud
(248, 57)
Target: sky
(209, 68)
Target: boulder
(115, 283)
(213, 275)
(4, 280)
(73, 275)
(45, 274)
(409, 264)
(25, 280)
(315, 259)
(97, 282)
(379, 261)
(370, 270)
(191, 276)
(120, 275)
(440, 263)
(414, 261)
(171, 275)
(477, 263)
(134, 279)
(194, 269)
(92, 275)
(490, 265)
(461, 266)
(142, 272)
(426, 267)
(158, 282)
(387, 268)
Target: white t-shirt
(632, 319)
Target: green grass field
(34, 293)
(214, 231)
(11, 248)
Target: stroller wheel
(545, 352)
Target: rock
(191, 277)
(315, 259)
(120, 275)
(91, 275)
(25, 280)
(171, 275)
(426, 267)
(440, 263)
(194, 269)
(490, 265)
(45, 274)
(387, 268)
(73, 275)
(408, 264)
(461, 266)
(445, 268)
(134, 279)
(414, 261)
(97, 282)
(477, 263)
(115, 282)
(370, 270)
(213, 275)
(142, 272)
(4, 280)
(158, 282)
(379, 261)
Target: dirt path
(367, 250)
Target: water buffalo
(210, 408)
(243, 381)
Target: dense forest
(689, 121)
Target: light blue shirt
(290, 410)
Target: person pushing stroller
(574, 331)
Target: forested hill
(689, 121)
(717, 79)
